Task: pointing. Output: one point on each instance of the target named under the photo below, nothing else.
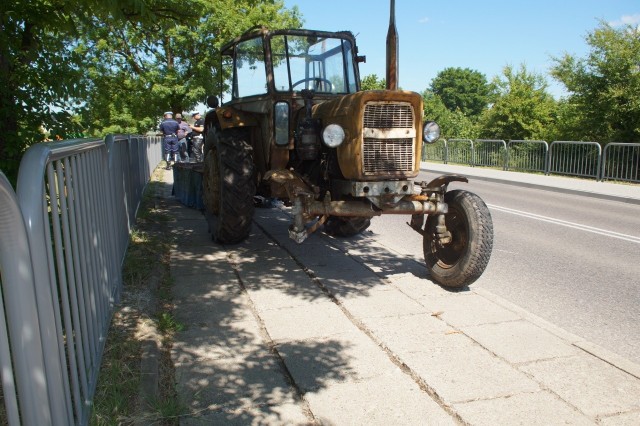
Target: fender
(440, 183)
(231, 117)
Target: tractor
(298, 128)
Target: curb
(599, 352)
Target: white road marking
(587, 228)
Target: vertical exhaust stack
(392, 50)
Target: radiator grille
(388, 155)
(388, 116)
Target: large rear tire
(463, 260)
(229, 185)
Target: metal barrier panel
(25, 393)
(435, 151)
(489, 153)
(460, 151)
(68, 212)
(621, 161)
(575, 158)
(527, 155)
(78, 199)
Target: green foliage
(523, 108)
(372, 82)
(463, 89)
(453, 124)
(96, 67)
(138, 72)
(603, 99)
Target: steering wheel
(318, 82)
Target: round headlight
(333, 135)
(430, 131)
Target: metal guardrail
(435, 151)
(460, 151)
(575, 158)
(527, 155)
(490, 153)
(73, 208)
(620, 161)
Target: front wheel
(463, 259)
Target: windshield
(308, 62)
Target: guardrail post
(19, 295)
(33, 208)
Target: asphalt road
(572, 260)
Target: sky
(483, 35)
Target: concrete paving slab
(383, 400)
(312, 320)
(382, 304)
(211, 313)
(258, 267)
(287, 295)
(420, 288)
(537, 408)
(280, 414)
(406, 333)
(224, 281)
(322, 362)
(625, 419)
(197, 261)
(459, 370)
(464, 309)
(253, 379)
(593, 386)
(200, 341)
(190, 237)
(178, 212)
(520, 341)
(353, 281)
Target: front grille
(388, 116)
(387, 155)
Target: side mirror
(212, 101)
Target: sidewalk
(344, 332)
(628, 193)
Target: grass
(146, 305)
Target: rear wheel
(346, 226)
(461, 261)
(229, 186)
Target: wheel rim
(448, 255)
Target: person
(169, 130)
(196, 136)
(183, 130)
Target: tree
(453, 124)
(523, 108)
(140, 72)
(604, 87)
(463, 89)
(371, 82)
(42, 72)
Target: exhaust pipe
(392, 50)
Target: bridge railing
(530, 156)
(575, 158)
(618, 161)
(621, 161)
(73, 208)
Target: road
(569, 259)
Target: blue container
(187, 184)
